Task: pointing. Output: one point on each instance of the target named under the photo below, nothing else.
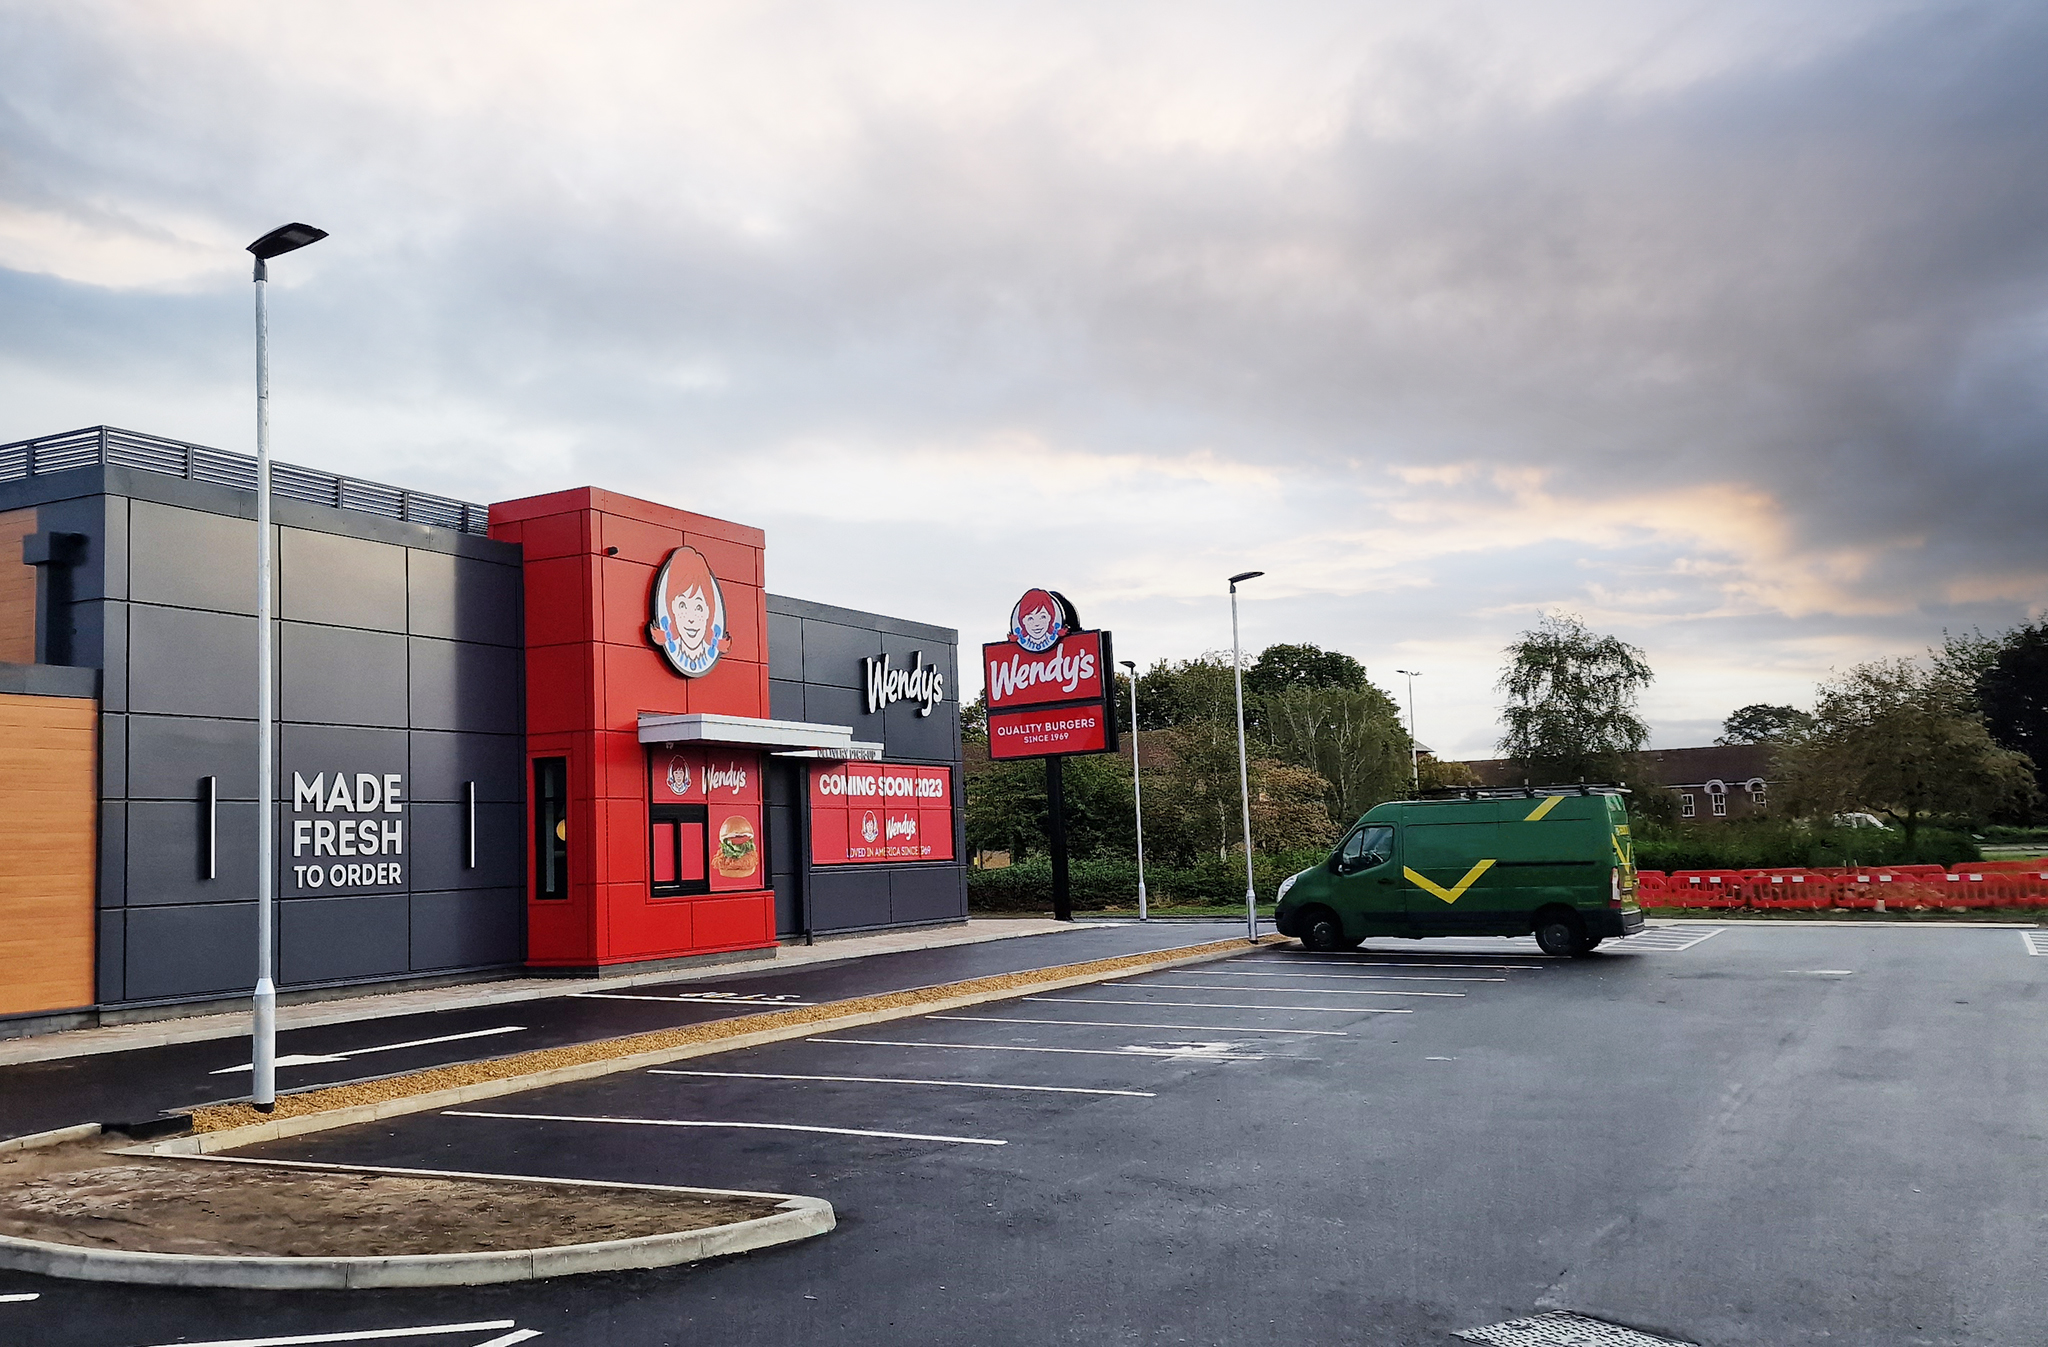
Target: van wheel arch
(1320, 928)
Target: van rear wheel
(1559, 932)
(1321, 931)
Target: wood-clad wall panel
(48, 808)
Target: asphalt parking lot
(1729, 1135)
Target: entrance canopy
(794, 738)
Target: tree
(2012, 691)
(1902, 739)
(1006, 808)
(1303, 667)
(1761, 723)
(1571, 708)
(1352, 740)
(974, 720)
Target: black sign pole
(1056, 825)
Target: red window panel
(665, 852)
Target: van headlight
(1287, 884)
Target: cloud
(1724, 325)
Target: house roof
(1675, 767)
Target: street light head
(1412, 673)
(1241, 576)
(1130, 664)
(285, 239)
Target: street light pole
(1414, 752)
(1244, 773)
(263, 1029)
(1137, 796)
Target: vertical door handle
(469, 824)
(209, 790)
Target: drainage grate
(1565, 1329)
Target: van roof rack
(1441, 794)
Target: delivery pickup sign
(1049, 685)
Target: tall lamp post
(1244, 771)
(1137, 797)
(1414, 751)
(263, 1031)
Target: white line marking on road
(1009, 1047)
(523, 1335)
(1533, 966)
(2037, 942)
(1822, 972)
(17, 1297)
(744, 1126)
(1439, 1059)
(1668, 939)
(306, 1059)
(1291, 991)
(714, 998)
(1333, 977)
(906, 1080)
(1127, 1024)
(1211, 1005)
(366, 1335)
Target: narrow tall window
(677, 860)
(551, 827)
(1685, 806)
(1720, 805)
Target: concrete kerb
(54, 1137)
(234, 1138)
(799, 1217)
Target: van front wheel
(1321, 931)
(1560, 932)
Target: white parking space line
(1291, 991)
(309, 1058)
(906, 1080)
(1212, 1005)
(362, 1335)
(1670, 939)
(742, 1126)
(1533, 966)
(1205, 1054)
(509, 1339)
(2037, 942)
(1339, 977)
(20, 1296)
(1126, 1024)
(697, 998)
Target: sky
(1721, 325)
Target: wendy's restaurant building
(570, 734)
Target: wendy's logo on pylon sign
(1038, 621)
(689, 614)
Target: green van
(1554, 861)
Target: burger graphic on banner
(737, 855)
(688, 625)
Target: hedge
(1113, 882)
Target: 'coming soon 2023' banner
(862, 812)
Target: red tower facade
(640, 850)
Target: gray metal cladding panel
(86, 621)
(789, 912)
(474, 928)
(457, 685)
(443, 760)
(113, 757)
(339, 676)
(436, 853)
(899, 649)
(113, 878)
(785, 647)
(847, 897)
(86, 515)
(324, 751)
(782, 840)
(341, 582)
(785, 699)
(336, 939)
(185, 663)
(463, 599)
(909, 736)
(841, 706)
(114, 656)
(191, 559)
(110, 953)
(190, 951)
(832, 653)
(166, 841)
(168, 754)
(928, 893)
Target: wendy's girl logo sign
(1048, 685)
(688, 625)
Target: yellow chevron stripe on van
(1453, 893)
(1536, 814)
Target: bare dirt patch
(82, 1195)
